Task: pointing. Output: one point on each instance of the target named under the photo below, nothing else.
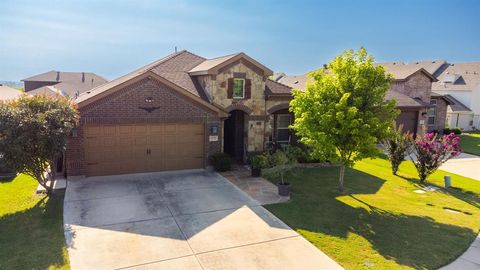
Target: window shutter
(248, 88)
(230, 88)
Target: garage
(409, 120)
(134, 148)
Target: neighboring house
(461, 81)
(176, 112)
(68, 84)
(9, 94)
(411, 90)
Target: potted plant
(258, 163)
(282, 164)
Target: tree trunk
(342, 174)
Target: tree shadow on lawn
(415, 241)
(33, 239)
(465, 195)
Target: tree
(33, 133)
(431, 152)
(343, 113)
(397, 146)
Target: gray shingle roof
(456, 105)
(467, 77)
(403, 100)
(69, 83)
(211, 63)
(276, 88)
(294, 81)
(402, 71)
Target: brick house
(176, 112)
(412, 91)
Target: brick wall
(125, 107)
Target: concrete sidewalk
(465, 165)
(470, 260)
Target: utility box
(448, 181)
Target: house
(461, 83)
(68, 84)
(412, 92)
(8, 93)
(176, 112)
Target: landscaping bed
(380, 222)
(31, 227)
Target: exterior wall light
(214, 129)
(148, 99)
(75, 132)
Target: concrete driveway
(465, 165)
(178, 220)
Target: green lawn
(31, 227)
(380, 219)
(470, 143)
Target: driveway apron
(177, 220)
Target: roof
(456, 105)
(458, 76)
(211, 63)
(49, 91)
(401, 71)
(403, 100)
(69, 83)
(173, 67)
(294, 81)
(212, 66)
(8, 93)
(276, 88)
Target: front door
(234, 135)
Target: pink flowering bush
(431, 152)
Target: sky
(112, 38)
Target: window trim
(277, 128)
(434, 116)
(243, 90)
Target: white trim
(233, 90)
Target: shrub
(280, 164)
(431, 152)
(447, 131)
(221, 162)
(4, 169)
(397, 147)
(456, 131)
(259, 161)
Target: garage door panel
(118, 149)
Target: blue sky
(112, 38)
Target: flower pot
(283, 189)
(256, 172)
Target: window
(282, 125)
(238, 88)
(432, 112)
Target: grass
(31, 227)
(380, 223)
(470, 143)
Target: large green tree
(33, 133)
(342, 113)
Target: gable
(146, 100)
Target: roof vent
(83, 77)
(433, 61)
(416, 63)
(58, 76)
(295, 82)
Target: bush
(397, 146)
(447, 131)
(221, 162)
(4, 169)
(259, 162)
(431, 152)
(457, 131)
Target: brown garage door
(409, 121)
(119, 149)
